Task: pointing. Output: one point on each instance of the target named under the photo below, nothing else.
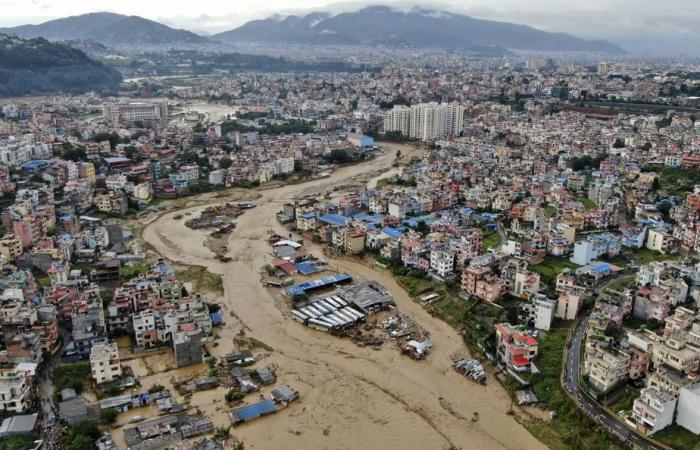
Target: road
(572, 375)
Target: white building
(603, 68)
(688, 412)
(426, 121)
(654, 409)
(511, 248)
(130, 112)
(145, 328)
(16, 153)
(15, 389)
(397, 119)
(544, 311)
(104, 361)
(594, 247)
(442, 262)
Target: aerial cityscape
(315, 225)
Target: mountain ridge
(382, 25)
(36, 66)
(109, 29)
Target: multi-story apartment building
(15, 388)
(608, 368)
(130, 112)
(397, 119)
(442, 262)
(145, 329)
(104, 361)
(426, 121)
(569, 303)
(516, 349)
(653, 410)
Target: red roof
(520, 361)
(187, 326)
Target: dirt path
(351, 397)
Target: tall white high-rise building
(397, 119)
(603, 68)
(426, 121)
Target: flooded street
(351, 397)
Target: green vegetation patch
(202, 279)
(570, 428)
(491, 239)
(678, 437)
(587, 202)
(18, 442)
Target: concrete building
(397, 120)
(603, 68)
(660, 241)
(594, 247)
(15, 389)
(442, 262)
(539, 311)
(516, 349)
(653, 410)
(569, 303)
(688, 415)
(104, 361)
(608, 368)
(130, 112)
(426, 121)
(145, 329)
(188, 348)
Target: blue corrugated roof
(255, 410)
(306, 268)
(31, 165)
(216, 318)
(392, 232)
(330, 280)
(334, 219)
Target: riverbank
(352, 397)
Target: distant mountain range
(112, 30)
(37, 66)
(417, 28)
(371, 26)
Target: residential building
(653, 410)
(104, 361)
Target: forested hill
(37, 66)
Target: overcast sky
(668, 26)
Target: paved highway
(572, 371)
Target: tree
(234, 396)
(665, 209)
(156, 388)
(81, 437)
(109, 415)
(422, 227)
(74, 154)
(339, 156)
(619, 143)
(225, 162)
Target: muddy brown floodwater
(351, 397)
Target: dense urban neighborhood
(399, 249)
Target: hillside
(38, 66)
(418, 28)
(112, 30)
